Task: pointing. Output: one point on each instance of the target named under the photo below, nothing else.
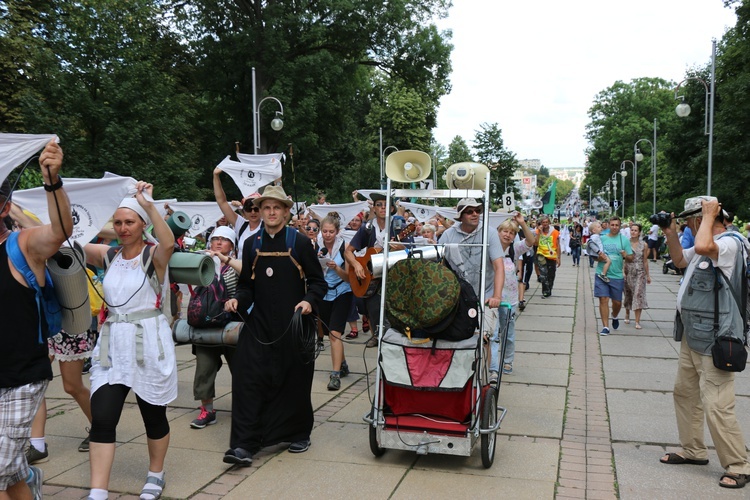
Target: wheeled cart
(435, 396)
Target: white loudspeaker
(466, 175)
(407, 166)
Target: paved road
(588, 417)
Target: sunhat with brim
(694, 206)
(223, 232)
(273, 193)
(466, 202)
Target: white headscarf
(133, 205)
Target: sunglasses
(251, 208)
(471, 211)
(313, 229)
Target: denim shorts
(613, 289)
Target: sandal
(353, 334)
(151, 493)
(638, 326)
(740, 480)
(365, 324)
(627, 321)
(675, 459)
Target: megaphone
(466, 175)
(407, 166)
(533, 204)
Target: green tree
(490, 150)
(108, 83)
(620, 116)
(458, 151)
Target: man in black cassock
(272, 380)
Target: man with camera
(619, 250)
(702, 391)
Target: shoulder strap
(19, 261)
(291, 239)
(110, 256)
(243, 227)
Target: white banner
(203, 214)
(252, 172)
(423, 213)
(298, 207)
(92, 203)
(346, 211)
(17, 148)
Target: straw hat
(274, 193)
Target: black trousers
(547, 270)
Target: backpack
(422, 293)
(464, 319)
(741, 295)
(163, 302)
(206, 306)
(46, 300)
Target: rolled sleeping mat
(182, 333)
(68, 272)
(191, 268)
(179, 223)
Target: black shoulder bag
(729, 353)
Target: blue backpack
(46, 300)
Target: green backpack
(421, 294)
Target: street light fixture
(624, 173)
(683, 110)
(276, 124)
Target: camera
(662, 219)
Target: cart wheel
(374, 446)
(489, 418)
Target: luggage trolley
(435, 396)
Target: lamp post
(683, 110)
(638, 156)
(277, 123)
(624, 173)
(609, 199)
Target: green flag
(549, 199)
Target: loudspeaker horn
(466, 175)
(407, 166)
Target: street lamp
(638, 156)
(683, 110)
(277, 123)
(624, 173)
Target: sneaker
(84, 446)
(86, 366)
(365, 324)
(334, 383)
(238, 456)
(493, 377)
(507, 368)
(34, 456)
(603, 277)
(35, 482)
(204, 418)
(615, 323)
(373, 342)
(344, 369)
(604, 332)
(522, 305)
(320, 346)
(299, 446)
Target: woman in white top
(135, 350)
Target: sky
(534, 67)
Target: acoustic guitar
(362, 287)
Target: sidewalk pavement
(588, 417)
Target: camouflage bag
(421, 293)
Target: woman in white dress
(135, 350)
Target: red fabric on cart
(454, 405)
(427, 368)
